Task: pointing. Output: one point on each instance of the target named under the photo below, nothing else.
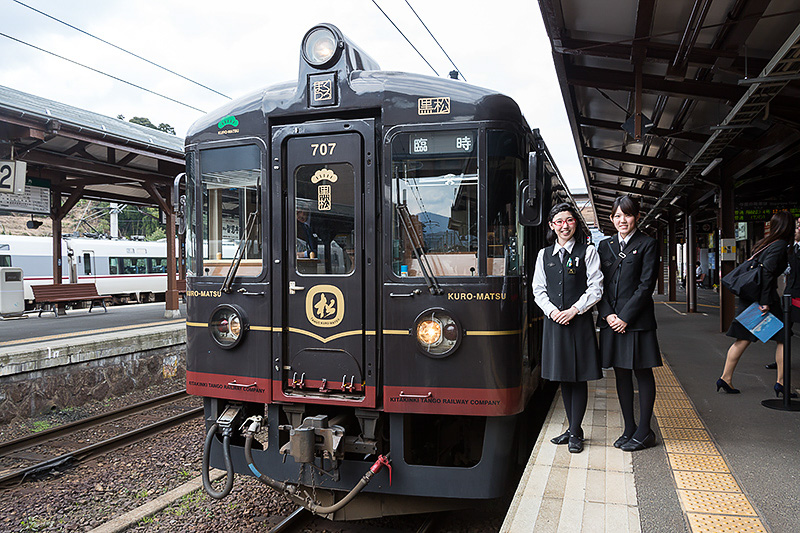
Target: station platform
(77, 323)
(722, 463)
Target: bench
(67, 293)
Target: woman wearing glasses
(627, 320)
(567, 282)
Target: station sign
(34, 198)
(762, 211)
(728, 249)
(12, 177)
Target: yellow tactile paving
(702, 501)
(718, 523)
(686, 422)
(708, 492)
(684, 434)
(711, 481)
(705, 447)
(697, 463)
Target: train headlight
(228, 325)
(321, 46)
(438, 333)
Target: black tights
(647, 397)
(575, 395)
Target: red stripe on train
(230, 387)
(452, 401)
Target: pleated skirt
(632, 350)
(569, 353)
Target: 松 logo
(325, 306)
(230, 120)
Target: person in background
(772, 253)
(792, 281)
(567, 282)
(699, 277)
(627, 320)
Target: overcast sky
(238, 46)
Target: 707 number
(323, 148)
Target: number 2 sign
(12, 177)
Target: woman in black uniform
(627, 320)
(567, 282)
(772, 252)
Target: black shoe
(771, 366)
(634, 445)
(620, 442)
(561, 439)
(779, 390)
(727, 388)
(575, 444)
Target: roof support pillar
(165, 204)
(57, 216)
(672, 251)
(663, 259)
(691, 259)
(727, 301)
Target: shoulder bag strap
(620, 256)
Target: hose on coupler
(226, 454)
(290, 490)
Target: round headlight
(438, 333)
(227, 325)
(321, 46)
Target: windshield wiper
(418, 247)
(251, 222)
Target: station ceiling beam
(643, 160)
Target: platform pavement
(723, 463)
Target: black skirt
(632, 350)
(738, 331)
(569, 353)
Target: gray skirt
(632, 350)
(569, 353)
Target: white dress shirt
(627, 239)
(594, 281)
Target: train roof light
(321, 46)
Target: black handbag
(745, 280)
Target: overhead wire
(404, 37)
(121, 49)
(101, 72)
(436, 41)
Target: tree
(144, 121)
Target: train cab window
(435, 202)
(325, 219)
(87, 264)
(230, 180)
(505, 166)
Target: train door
(88, 270)
(329, 319)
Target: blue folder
(762, 326)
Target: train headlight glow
(438, 333)
(227, 325)
(321, 46)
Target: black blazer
(793, 281)
(774, 259)
(629, 295)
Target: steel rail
(293, 521)
(99, 448)
(50, 434)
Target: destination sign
(442, 142)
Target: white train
(131, 271)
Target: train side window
(230, 180)
(113, 265)
(87, 264)
(5, 260)
(157, 265)
(505, 165)
(435, 202)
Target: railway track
(72, 457)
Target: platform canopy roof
(88, 155)
(669, 99)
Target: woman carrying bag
(627, 320)
(567, 282)
(772, 253)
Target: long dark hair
(560, 208)
(781, 227)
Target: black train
(358, 244)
